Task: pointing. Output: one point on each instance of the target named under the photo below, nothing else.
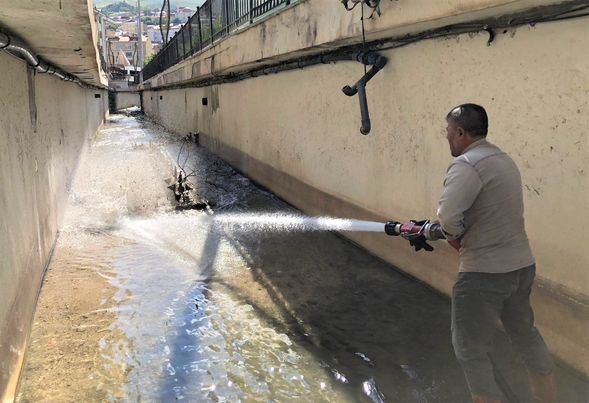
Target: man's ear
(460, 131)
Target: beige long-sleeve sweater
(482, 205)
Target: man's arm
(461, 187)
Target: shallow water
(143, 303)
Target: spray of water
(281, 222)
(152, 230)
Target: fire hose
(416, 232)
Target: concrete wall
(315, 26)
(296, 133)
(44, 126)
(125, 99)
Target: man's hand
(455, 243)
(419, 242)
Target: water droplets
(171, 370)
(282, 222)
(369, 388)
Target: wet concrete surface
(145, 303)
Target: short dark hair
(471, 117)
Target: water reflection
(192, 338)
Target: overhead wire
(166, 7)
(363, 35)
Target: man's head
(467, 123)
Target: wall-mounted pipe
(377, 62)
(19, 48)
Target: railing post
(226, 20)
(190, 34)
(199, 29)
(181, 42)
(251, 11)
(211, 19)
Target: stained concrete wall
(126, 99)
(297, 134)
(44, 126)
(314, 26)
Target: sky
(153, 3)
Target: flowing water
(251, 301)
(253, 223)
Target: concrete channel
(143, 302)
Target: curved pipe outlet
(377, 62)
(17, 46)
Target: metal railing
(212, 21)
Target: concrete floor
(142, 302)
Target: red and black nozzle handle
(417, 232)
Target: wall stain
(263, 35)
(32, 99)
(214, 98)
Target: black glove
(418, 241)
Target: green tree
(148, 59)
(118, 7)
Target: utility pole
(139, 42)
(103, 40)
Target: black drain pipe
(377, 62)
(369, 58)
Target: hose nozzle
(431, 230)
(392, 228)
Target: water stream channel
(145, 303)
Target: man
(481, 213)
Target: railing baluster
(211, 19)
(181, 43)
(251, 11)
(190, 34)
(226, 19)
(199, 29)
